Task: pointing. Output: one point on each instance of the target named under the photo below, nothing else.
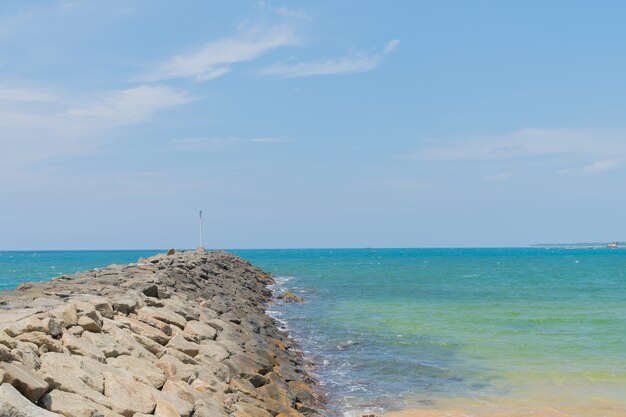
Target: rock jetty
(182, 334)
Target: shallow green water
(426, 327)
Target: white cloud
(190, 144)
(355, 62)
(292, 13)
(594, 168)
(36, 126)
(129, 106)
(502, 176)
(24, 95)
(526, 143)
(212, 60)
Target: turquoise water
(500, 331)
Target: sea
(469, 332)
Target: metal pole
(201, 242)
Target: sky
(304, 124)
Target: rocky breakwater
(176, 335)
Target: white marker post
(201, 247)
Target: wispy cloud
(354, 62)
(502, 176)
(36, 126)
(212, 144)
(130, 105)
(594, 168)
(525, 143)
(292, 13)
(213, 59)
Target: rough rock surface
(183, 334)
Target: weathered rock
(54, 326)
(74, 374)
(290, 297)
(67, 313)
(175, 369)
(24, 380)
(248, 410)
(29, 324)
(13, 404)
(150, 315)
(27, 353)
(144, 329)
(127, 395)
(106, 344)
(141, 369)
(179, 343)
(6, 355)
(41, 339)
(197, 331)
(89, 324)
(79, 346)
(74, 405)
(213, 350)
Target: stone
(106, 344)
(179, 343)
(141, 369)
(74, 405)
(29, 324)
(24, 380)
(248, 410)
(213, 350)
(13, 404)
(28, 354)
(125, 305)
(290, 297)
(126, 339)
(171, 252)
(149, 290)
(79, 346)
(181, 407)
(54, 326)
(127, 394)
(181, 390)
(165, 408)
(41, 339)
(175, 369)
(6, 355)
(197, 331)
(150, 314)
(89, 324)
(67, 313)
(76, 330)
(6, 340)
(75, 374)
(144, 329)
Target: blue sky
(311, 123)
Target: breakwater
(178, 334)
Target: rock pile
(176, 335)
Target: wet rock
(290, 297)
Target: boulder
(144, 329)
(29, 324)
(128, 395)
(175, 369)
(66, 313)
(79, 346)
(106, 344)
(150, 314)
(41, 339)
(141, 369)
(13, 404)
(74, 405)
(197, 331)
(181, 344)
(24, 380)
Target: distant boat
(612, 245)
